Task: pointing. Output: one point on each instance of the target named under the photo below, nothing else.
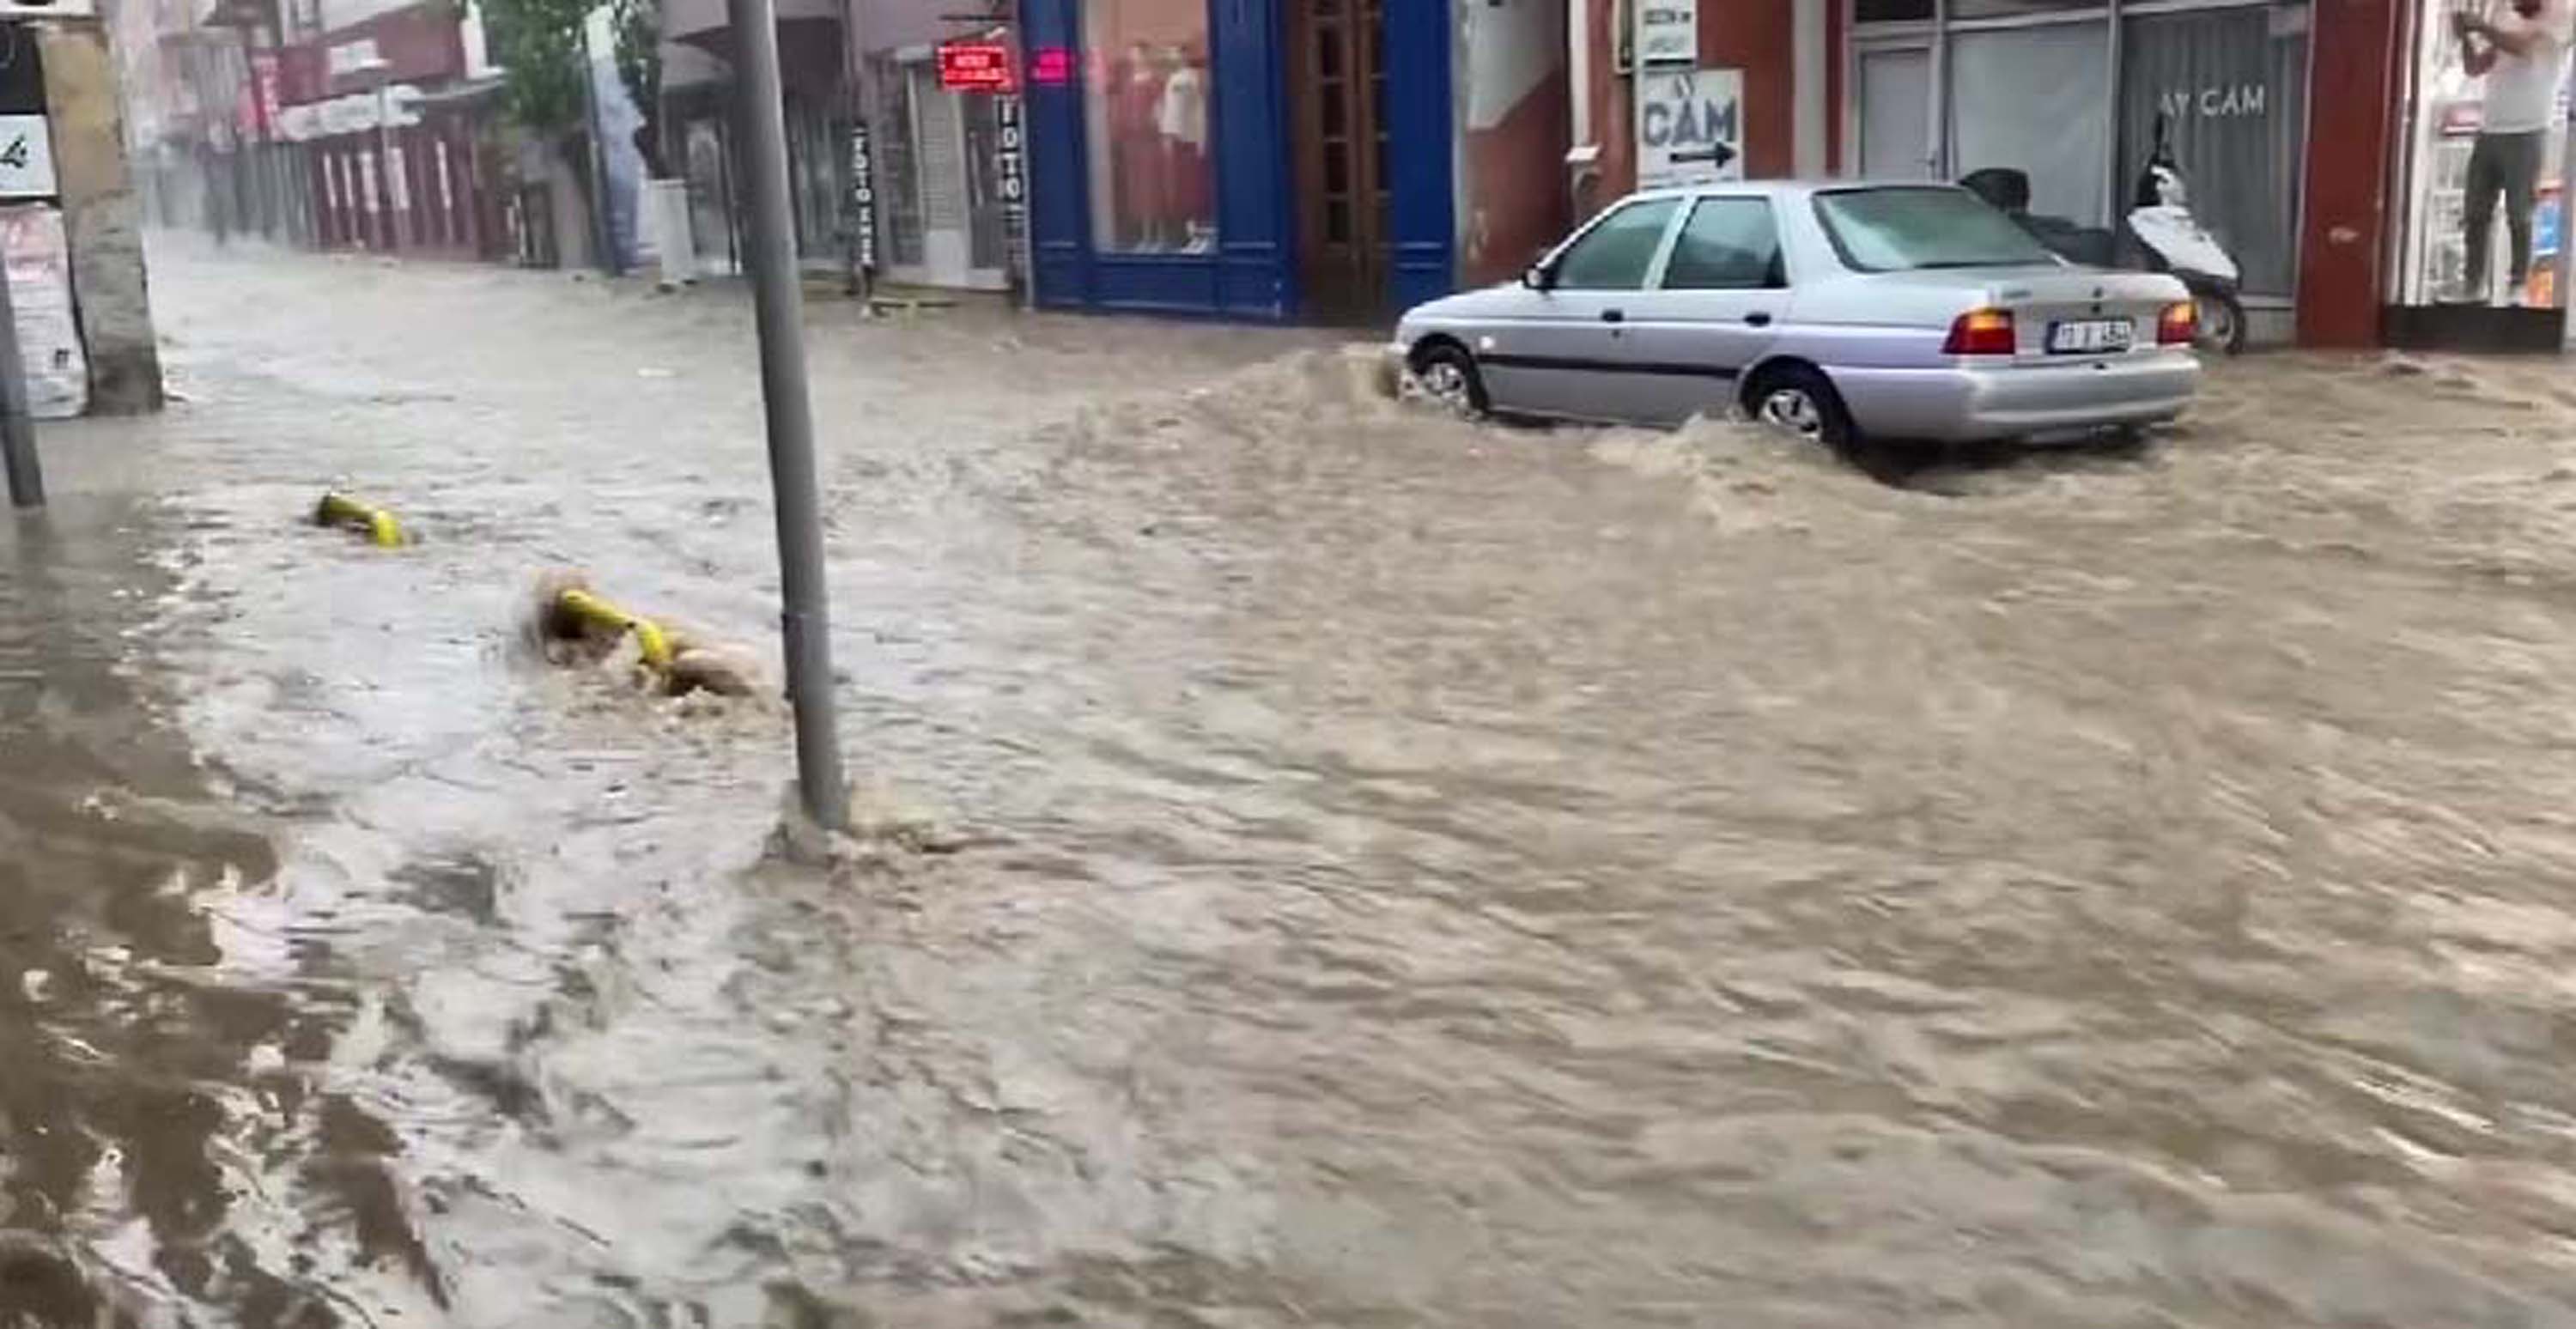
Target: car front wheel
(1448, 376)
(1800, 401)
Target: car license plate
(2089, 336)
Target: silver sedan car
(1911, 311)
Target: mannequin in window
(1137, 165)
(1181, 118)
(2520, 54)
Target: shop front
(2076, 94)
(1254, 159)
(2464, 273)
(698, 136)
(940, 159)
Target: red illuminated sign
(1051, 67)
(975, 66)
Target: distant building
(698, 134)
(1271, 159)
(395, 128)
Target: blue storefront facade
(1267, 160)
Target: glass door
(1896, 114)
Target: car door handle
(1758, 319)
(1614, 316)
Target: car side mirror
(1538, 277)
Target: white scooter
(2176, 242)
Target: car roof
(1783, 188)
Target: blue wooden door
(1420, 151)
(1371, 129)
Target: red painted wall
(2352, 88)
(1757, 36)
(1617, 169)
(1516, 184)
(1752, 35)
(421, 42)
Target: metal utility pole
(17, 432)
(778, 305)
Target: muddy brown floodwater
(1413, 873)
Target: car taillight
(1981, 332)
(2178, 324)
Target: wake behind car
(1913, 311)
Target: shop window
(1892, 11)
(1146, 105)
(1614, 255)
(2231, 87)
(1896, 114)
(813, 175)
(988, 242)
(2035, 99)
(1960, 9)
(1729, 244)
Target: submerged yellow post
(342, 510)
(649, 637)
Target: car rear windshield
(1894, 230)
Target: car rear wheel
(1448, 376)
(1802, 402)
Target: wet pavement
(1406, 872)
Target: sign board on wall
(357, 113)
(40, 294)
(26, 157)
(265, 102)
(975, 66)
(1667, 33)
(863, 198)
(1690, 126)
(357, 57)
(1012, 162)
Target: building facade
(2323, 139)
(697, 126)
(1323, 160)
(2077, 94)
(943, 157)
(394, 131)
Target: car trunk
(2083, 310)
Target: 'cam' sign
(1690, 127)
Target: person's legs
(2521, 166)
(2477, 218)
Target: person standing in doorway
(2520, 54)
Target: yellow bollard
(587, 608)
(344, 511)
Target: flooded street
(1403, 872)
